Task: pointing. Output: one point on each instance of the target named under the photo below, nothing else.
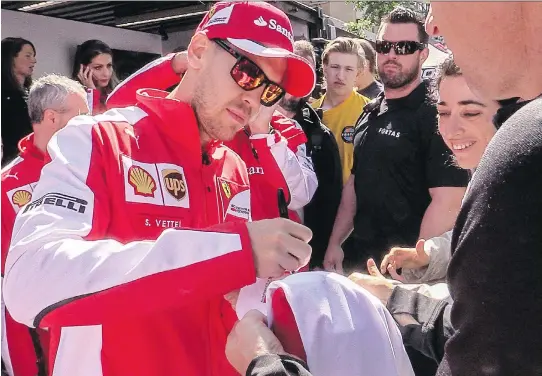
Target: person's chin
(466, 162)
(227, 135)
(341, 89)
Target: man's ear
(424, 55)
(49, 116)
(197, 51)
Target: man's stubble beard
(292, 104)
(208, 121)
(400, 79)
(205, 123)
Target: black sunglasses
(404, 47)
(249, 76)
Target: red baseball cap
(262, 30)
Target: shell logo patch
(174, 183)
(141, 181)
(21, 198)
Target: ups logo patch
(174, 183)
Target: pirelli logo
(59, 199)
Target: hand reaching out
(375, 283)
(409, 258)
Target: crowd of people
(208, 216)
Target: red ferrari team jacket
(133, 237)
(19, 179)
(277, 160)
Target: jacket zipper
(205, 163)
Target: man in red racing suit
(272, 146)
(108, 255)
(18, 181)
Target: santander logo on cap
(273, 25)
(260, 22)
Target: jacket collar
(177, 121)
(307, 117)
(27, 149)
(413, 101)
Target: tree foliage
(373, 11)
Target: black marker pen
(283, 211)
(283, 206)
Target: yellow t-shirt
(341, 120)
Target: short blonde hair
(345, 46)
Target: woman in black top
(18, 61)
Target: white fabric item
(344, 329)
(250, 297)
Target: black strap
(40, 361)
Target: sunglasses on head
(404, 47)
(249, 76)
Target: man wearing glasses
(108, 255)
(403, 186)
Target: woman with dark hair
(93, 68)
(466, 126)
(18, 61)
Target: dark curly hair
(448, 68)
(401, 15)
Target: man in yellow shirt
(343, 59)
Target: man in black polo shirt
(404, 185)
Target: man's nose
(392, 55)
(252, 98)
